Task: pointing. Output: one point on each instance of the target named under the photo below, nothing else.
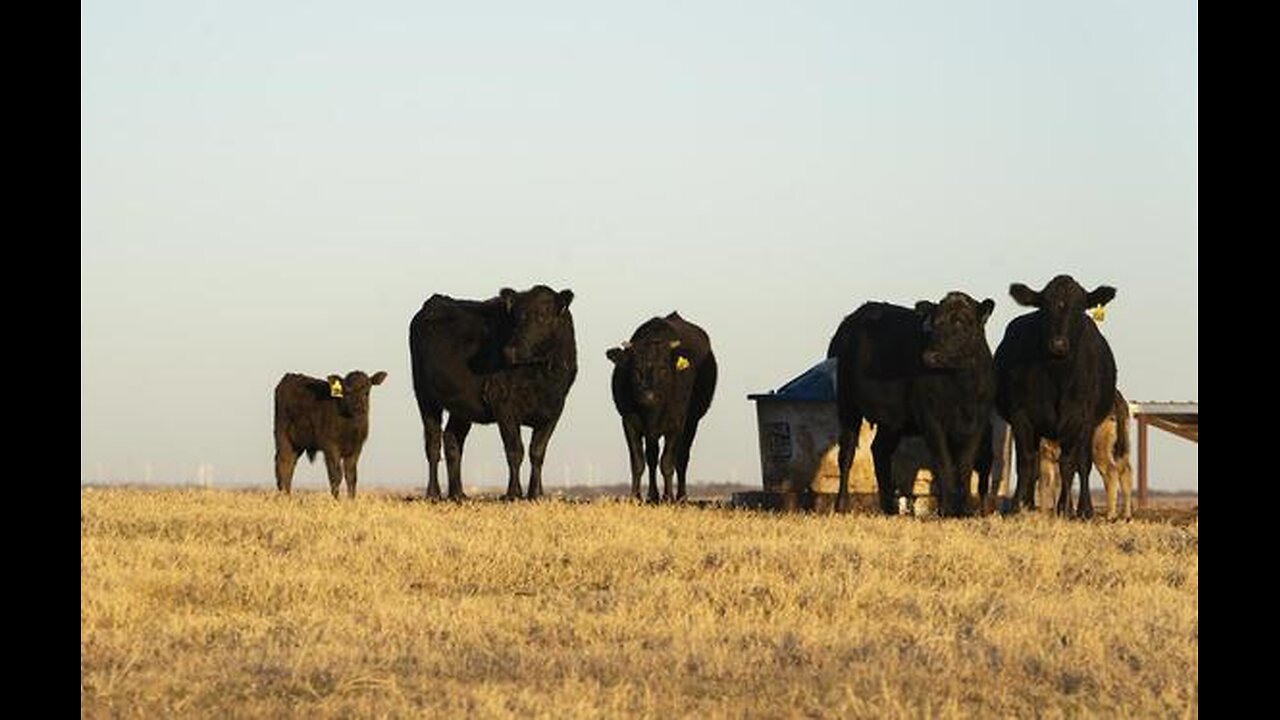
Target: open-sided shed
(1179, 418)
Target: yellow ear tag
(1098, 313)
(335, 388)
(682, 363)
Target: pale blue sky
(273, 187)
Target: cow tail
(1121, 412)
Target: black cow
(924, 372)
(663, 382)
(1055, 379)
(508, 360)
(322, 415)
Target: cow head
(651, 365)
(538, 318)
(1063, 303)
(352, 392)
(954, 329)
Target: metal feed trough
(799, 452)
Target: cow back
(878, 349)
(697, 345)
(307, 414)
(456, 350)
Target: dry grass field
(208, 603)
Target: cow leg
(349, 470)
(1066, 474)
(882, 456)
(944, 469)
(848, 445)
(1104, 460)
(455, 437)
(668, 464)
(635, 449)
(286, 460)
(983, 460)
(514, 446)
(1049, 481)
(333, 463)
(1107, 468)
(964, 457)
(651, 459)
(1124, 472)
(1114, 469)
(431, 436)
(1026, 445)
(537, 453)
(1084, 466)
(682, 458)
(1111, 483)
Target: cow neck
(554, 368)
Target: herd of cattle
(925, 371)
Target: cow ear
(1102, 295)
(984, 310)
(508, 297)
(924, 307)
(335, 386)
(563, 298)
(378, 377)
(616, 354)
(1024, 295)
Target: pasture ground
(217, 603)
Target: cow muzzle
(647, 398)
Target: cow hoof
(843, 504)
(653, 500)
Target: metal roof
(818, 383)
(1164, 408)
(1180, 418)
